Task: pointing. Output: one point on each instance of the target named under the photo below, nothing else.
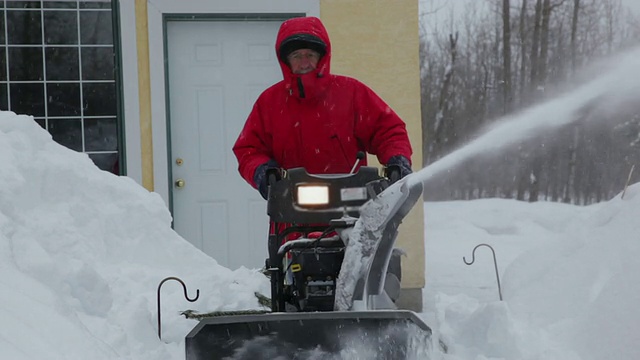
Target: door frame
(158, 12)
(200, 17)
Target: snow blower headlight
(313, 195)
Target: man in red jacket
(315, 119)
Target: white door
(216, 70)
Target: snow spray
(617, 85)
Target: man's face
(303, 61)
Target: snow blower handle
(273, 175)
(397, 167)
(393, 173)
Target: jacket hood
(299, 28)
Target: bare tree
(542, 63)
(535, 46)
(443, 121)
(612, 8)
(574, 31)
(523, 50)
(469, 80)
(506, 56)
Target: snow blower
(334, 276)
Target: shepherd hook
(185, 295)
(495, 264)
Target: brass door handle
(180, 183)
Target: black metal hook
(185, 295)
(495, 264)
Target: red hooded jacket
(317, 120)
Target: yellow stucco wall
(376, 41)
(144, 90)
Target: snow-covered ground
(82, 252)
(569, 279)
(569, 274)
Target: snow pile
(589, 280)
(570, 288)
(82, 252)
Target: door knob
(180, 183)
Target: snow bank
(570, 288)
(82, 252)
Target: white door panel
(217, 69)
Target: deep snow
(82, 252)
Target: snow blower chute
(334, 275)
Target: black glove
(260, 177)
(399, 163)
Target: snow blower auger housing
(312, 219)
